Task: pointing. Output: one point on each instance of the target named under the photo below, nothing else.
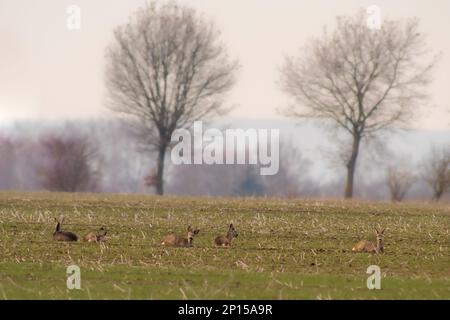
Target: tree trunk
(160, 169)
(351, 166)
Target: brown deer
(59, 235)
(225, 241)
(368, 246)
(178, 241)
(100, 236)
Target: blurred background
(57, 132)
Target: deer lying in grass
(59, 235)
(367, 246)
(178, 241)
(100, 236)
(225, 241)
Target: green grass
(286, 249)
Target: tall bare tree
(360, 80)
(436, 171)
(399, 182)
(166, 69)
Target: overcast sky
(48, 71)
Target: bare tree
(359, 80)
(69, 164)
(7, 159)
(436, 171)
(166, 69)
(399, 182)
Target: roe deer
(367, 246)
(178, 241)
(100, 236)
(59, 235)
(225, 241)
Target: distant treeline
(103, 156)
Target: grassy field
(286, 249)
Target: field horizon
(286, 248)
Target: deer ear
(189, 228)
(231, 225)
(376, 230)
(382, 231)
(197, 231)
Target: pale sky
(47, 71)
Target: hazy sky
(48, 71)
